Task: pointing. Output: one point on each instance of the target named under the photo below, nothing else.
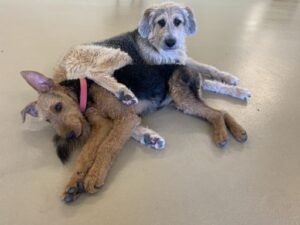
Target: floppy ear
(144, 24)
(190, 26)
(38, 81)
(29, 109)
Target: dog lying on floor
(159, 39)
(111, 121)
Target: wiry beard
(64, 147)
(154, 55)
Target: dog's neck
(73, 87)
(155, 56)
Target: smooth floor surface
(191, 182)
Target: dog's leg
(186, 101)
(112, 85)
(108, 150)
(215, 117)
(100, 127)
(235, 128)
(212, 72)
(148, 137)
(225, 89)
(124, 121)
(97, 63)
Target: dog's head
(166, 25)
(56, 105)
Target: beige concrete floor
(191, 182)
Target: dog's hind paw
(154, 141)
(239, 134)
(220, 138)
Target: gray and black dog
(158, 40)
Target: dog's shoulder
(125, 42)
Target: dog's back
(126, 42)
(151, 82)
(147, 82)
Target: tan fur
(70, 119)
(104, 143)
(112, 123)
(84, 59)
(97, 63)
(111, 126)
(100, 127)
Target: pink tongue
(83, 95)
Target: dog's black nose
(71, 135)
(170, 42)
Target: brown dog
(112, 122)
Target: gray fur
(153, 36)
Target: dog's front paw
(72, 192)
(154, 141)
(243, 94)
(74, 188)
(127, 97)
(229, 78)
(92, 182)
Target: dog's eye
(58, 107)
(162, 22)
(177, 22)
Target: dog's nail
(72, 190)
(222, 144)
(68, 199)
(160, 144)
(244, 136)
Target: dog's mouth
(166, 48)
